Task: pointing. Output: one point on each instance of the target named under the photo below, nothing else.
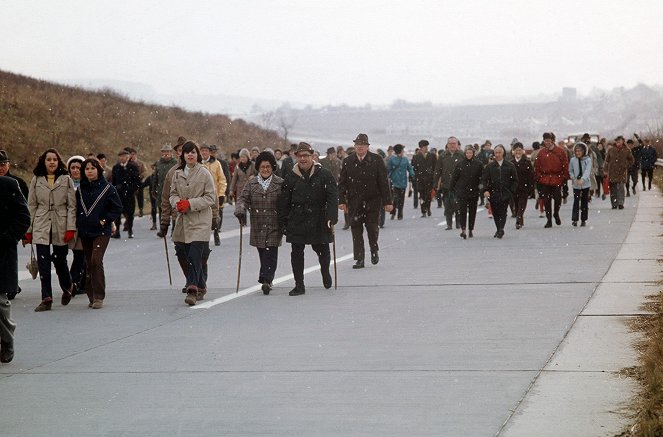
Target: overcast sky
(331, 52)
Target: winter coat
(263, 204)
(24, 187)
(226, 173)
(363, 185)
(574, 172)
(525, 171)
(551, 166)
(214, 167)
(161, 168)
(444, 168)
(14, 222)
(198, 189)
(465, 180)
(424, 170)
(617, 162)
(333, 165)
(306, 203)
(240, 178)
(96, 201)
(126, 179)
(648, 158)
(398, 170)
(500, 180)
(53, 210)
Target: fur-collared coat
(53, 210)
(263, 205)
(198, 189)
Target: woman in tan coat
(244, 171)
(52, 205)
(260, 196)
(192, 194)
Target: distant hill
(36, 114)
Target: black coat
(100, 205)
(424, 170)
(363, 185)
(306, 203)
(23, 186)
(500, 181)
(466, 179)
(14, 223)
(126, 179)
(526, 178)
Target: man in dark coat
(14, 223)
(364, 191)
(648, 159)
(308, 208)
(500, 182)
(4, 171)
(424, 168)
(126, 180)
(443, 172)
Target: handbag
(32, 266)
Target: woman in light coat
(260, 196)
(580, 172)
(244, 171)
(192, 195)
(52, 205)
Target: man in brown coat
(618, 160)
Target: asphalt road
(443, 337)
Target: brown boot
(191, 294)
(45, 305)
(97, 304)
(201, 294)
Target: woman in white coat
(580, 171)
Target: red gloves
(183, 205)
(28, 238)
(69, 235)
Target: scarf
(264, 183)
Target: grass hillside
(35, 115)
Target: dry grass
(35, 115)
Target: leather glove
(215, 224)
(28, 238)
(241, 218)
(183, 206)
(69, 235)
(164, 231)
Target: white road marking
(254, 288)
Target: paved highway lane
(442, 337)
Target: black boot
(374, 258)
(359, 264)
(154, 225)
(298, 290)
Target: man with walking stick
(308, 209)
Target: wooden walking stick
(165, 245)
(239, 265)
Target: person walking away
(632, 178)
(126, 181)
(52, 205)
(464, 183)
(424, 169)
(216, 170)
(648, 157)
(525, 189)
(14, 223)
(98, 205)
(192, 194)
(399, 171)
(443, 171)
(307, 212)
(618, 160)
(260, 197)
(364, 191)
(500, 182)
(580, 171)
(552, 170)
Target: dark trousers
(580, 200)
(519, 205)
(449, 206)
(153, 208)
(632, 177)
(552, 196)
(128, 207)
(370, 221)
(297, 260)
(416, 194)
(383, 215)
(399, 200)
(425, 199)
(599, 184)
(500, 207)
(194, 253)
(140, 197)
(77, 269)
(269, 257)
(648, 172)
(59, 260)
(95, 278)
(565, 190)
(617, 194)
(467, 207)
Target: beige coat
(240, 178)
(198, 189)
(52, 210)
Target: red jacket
(551, 166)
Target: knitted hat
(245, 152)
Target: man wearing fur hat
(308, 208)
(424, 170)
(364, 191)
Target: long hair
(40, 168)
(187, 147)
(96, 164)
